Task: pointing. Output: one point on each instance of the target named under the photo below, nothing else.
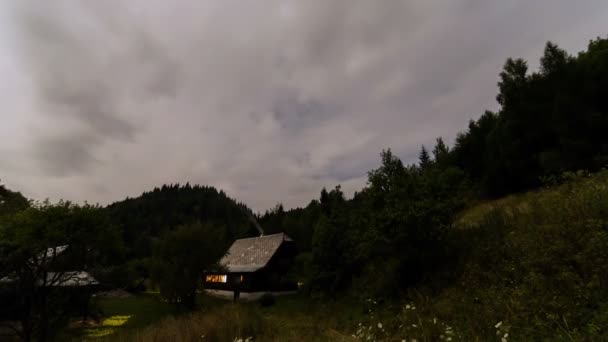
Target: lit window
(216, 278)
(241, 278)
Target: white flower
(503, 340)
(379, 325)
(448, 339)
(498, 325)
(506, 335)
(407, 307)
(434, 320)
(414, 325)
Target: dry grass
(223, 324)
(230, 322)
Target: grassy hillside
(532, 266)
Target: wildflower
(407, 307)
(506, 335)
(379, 325)
(503, 340)
(434, 320)
(414, 325)
(448, 339)
(498, 325)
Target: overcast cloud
(268, 100)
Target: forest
(406, 236)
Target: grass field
(120, 315)
(293, 318)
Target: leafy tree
(11, 201)
(181, 257)
(553, 60)
(35, 274)
(441, 153)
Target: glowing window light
(216, 278)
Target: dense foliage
(35, 294)
(149, 216)
(550, 121)
(392, 233)
(181, 257)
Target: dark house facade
(255, 265)
(47, 276)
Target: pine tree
(425, 159)
(441, 151)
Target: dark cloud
(270, 101)
(64, 155)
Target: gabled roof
(52, 253)
(61, 279)
(252, 254)
(72, 278)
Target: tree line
(396, 230)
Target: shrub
(267, 300)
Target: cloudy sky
(269, 100)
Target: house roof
(61, 279)
(252, 254)
(73, 278)
(52, 253)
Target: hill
(147, 217)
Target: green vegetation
(123, 315)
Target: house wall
(269, 278)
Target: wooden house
(47, 273)
(253, 266)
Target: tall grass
(226, 323)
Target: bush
(267, 300)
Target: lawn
(123, 314)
